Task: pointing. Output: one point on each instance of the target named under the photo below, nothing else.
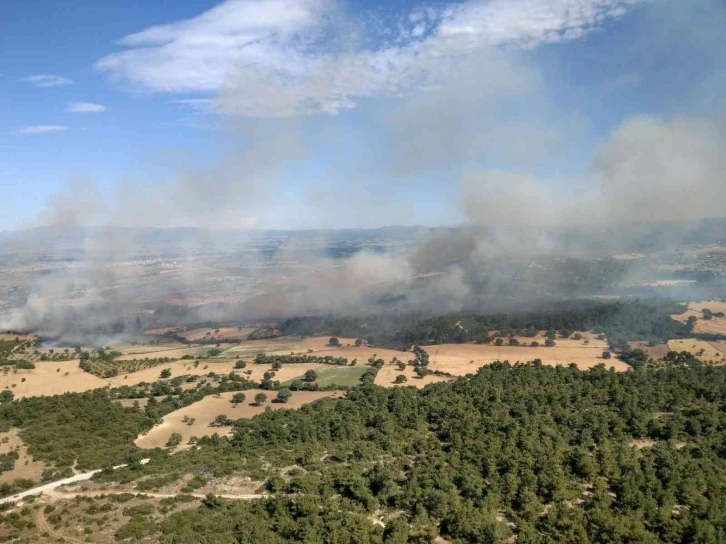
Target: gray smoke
(480, 127)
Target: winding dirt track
(44, 527)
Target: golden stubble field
(210, 407)
(25, 466)
(717, 325)
(707, 352)
(49, 378)
(218, 366)
(462, 359)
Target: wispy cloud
(42, 129)
(85, 107)
(203, 105)
(277, 58)
(47, 80)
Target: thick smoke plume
(481, 127)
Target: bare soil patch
(25, 466)
(210, 407)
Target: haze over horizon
(280, 114)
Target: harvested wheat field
(175, 352)
(388, 373)
(218, 366)
(654, 352)
(210, 407)
(24, 466)
(708, 352)
(717, 325)
(461, 359)
(49, 378)
(223, 334)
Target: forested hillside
(544, 454)
(620, 321)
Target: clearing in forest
(658, 351)
(388, 373)
(204, 412)
(25, 466)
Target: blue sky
(322, 113)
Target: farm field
(25, 466)
(49, 378)
(654, 352)
(210, 407)
(341, 376)
(461, 359)
(218, 366)
(707, 352)
(717, 325)
(388, 373)
(224, 333)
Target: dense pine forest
(621, 321)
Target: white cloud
(85, 107)
(276, 58)
(42, 129)
(197, 104)
(46, 80)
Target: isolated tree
(276, 365)
(354, 362)
(577, 336)
(550, 343)
(513, 342)
(221, 421)
(240, 364)
(166, 373)
(400, 379)
(499, 341)
(311, 375)
(535, 344)
(606, 355)
(283, 395)
(174, 440)
(358, 342)
(260, 398)
(238, 398)
(334, 342)
(401, 365)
